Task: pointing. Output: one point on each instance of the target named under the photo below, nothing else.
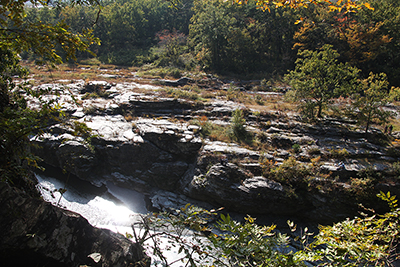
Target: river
(109, 207)
(117, 209)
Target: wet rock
(36, 233)
(162, 200)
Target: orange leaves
(364, 41)
(339, 5)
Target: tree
(242, 39)
(237, 244)
(19, 35)
(367, 39)
(348, 5)
(369, 104)
(17, 120)
(318, 78)
(386, 13)
(210, 29)
(171, 46)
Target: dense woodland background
(233, 39)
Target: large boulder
(229, 186)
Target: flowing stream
(112, 207)
(109, 207)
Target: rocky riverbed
(147, 142)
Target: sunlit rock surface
(146, 142)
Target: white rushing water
(112, 208)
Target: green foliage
(241, 39)
(238, 130)
(240, 244)
(17, 121)
(368, 106)
(42, 37)
(211, 130)
(368, 40)
(176, 228)
(248, 244)
(318, 78)
(128, 29)
(366, 241)
(362, 186)
(170, 47)
(339, 153)
(391, 200)
(296, 148)
(386, 58)
(290, 171)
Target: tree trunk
(368, 122)
(319, 115)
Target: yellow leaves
(249, 219)
(347, 5)
(333, 8)
(298, 21)
(241, 2)
(367, 5)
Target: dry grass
(90, 70)
(69, 73)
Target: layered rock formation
(146, 142)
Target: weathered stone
(158, 154)
(166, 153)
(169, 137)
(179, 82)
(228, 186)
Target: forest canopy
(238, 38)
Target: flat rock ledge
(36, 233)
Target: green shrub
(296, 148)
(314, 151)
(339, 153)
(290, 171)
(238, 130)
(239, 244)
(210, 130)
(362, 241)
(90, 96)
